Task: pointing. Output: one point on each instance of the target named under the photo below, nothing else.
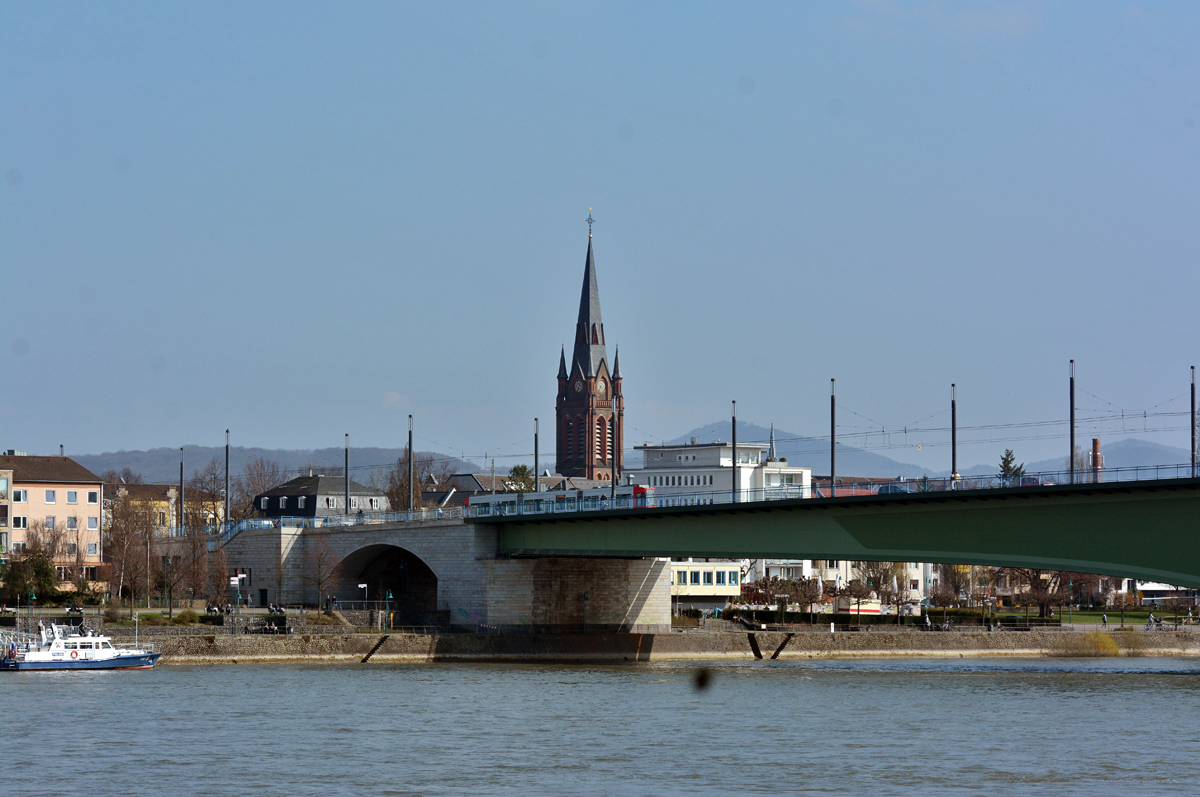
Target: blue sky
(298, 220)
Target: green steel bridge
(1148, 530)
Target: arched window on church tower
(602, 439)
(580, 440)
(570, 441)
(610, 451)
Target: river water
(878, 727)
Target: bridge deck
(1148, 530)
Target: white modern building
(705, 473)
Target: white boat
(64, 647)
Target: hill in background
(1127, 453)
(811, 452)
(161, 465)
(806, 452)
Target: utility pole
(953, 434)
(833, 437)
(181, 514)
(346, 475)
(226, 517)
(1194, 430)
(537, 483)
(1071, 459)
(735, 456)
(412, 467)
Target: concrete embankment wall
(416, 648)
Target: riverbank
(616, 648)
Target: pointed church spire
(616, 372)
(562, 364)
(771, 452)
(589, 329)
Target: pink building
(56, 503)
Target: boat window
(85, 645)
(69, 645)
(106, 645)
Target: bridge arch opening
(389, 570)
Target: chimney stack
(1097, 460)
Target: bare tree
(172, 569)
(205, 495)
(195, 577)
(955, 578)
(130, 527)
(1044, 587)
(124, 476)
(322, 566)
(393, 480)
(216, 584)
(257, 477)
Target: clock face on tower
(600, 385)
(578, 387)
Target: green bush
(185, 617)
(111, 615)
(692, 612)
(152, 618)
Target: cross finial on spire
(590, 221)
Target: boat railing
(16, 639)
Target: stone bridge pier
(449, 571)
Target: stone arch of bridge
(389, 569)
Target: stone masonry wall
(614, 594)
(473, 586)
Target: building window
(354, 503)
(696, 577)
(330, 502)
(914, 584)
(72, 548)
(3, 542)
(300, 502)
(721, 578)
(20, 547)
(374, 504)
(162, 518)
(49, 522)
(72, 497)
(72, 523)
(93, 524)
(49, 496)
(733, 578)
(20, 496)
(20, 522)
(93, 496)
(93, 549)
(681, 577)
(262, 503)
(282, 502)
(708, 578)
(831, 564)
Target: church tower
(590, 406)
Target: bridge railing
(663, 498)
(995, 481)
(228, 530)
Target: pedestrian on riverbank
(1104, 621)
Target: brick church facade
(590, 406)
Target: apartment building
(54, 503)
